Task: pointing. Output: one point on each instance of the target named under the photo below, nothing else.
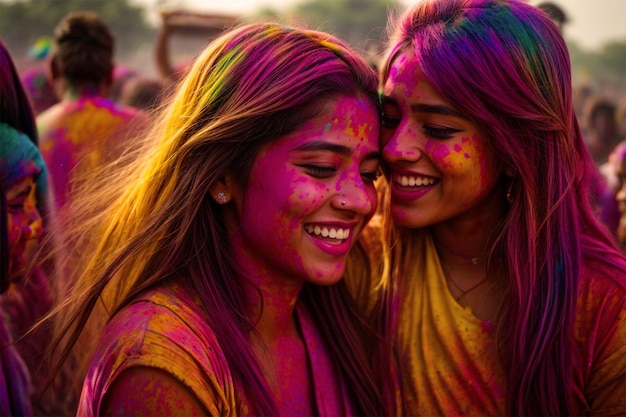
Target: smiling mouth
(414, 181)
(335, 233)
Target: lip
(406, 194)
(337, 250)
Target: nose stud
(343, 202)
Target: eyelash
(433, 132)
(319, 171)
(389, 122)
(16, 204)
(370, 176)
(326, 172)
(439, 133)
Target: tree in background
(603, 70)
(358, 22)
(23, 22)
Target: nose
(401, 146)
(33, 226)
(355, 196)
(33, 229)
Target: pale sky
(592, 22)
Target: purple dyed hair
(550, 230)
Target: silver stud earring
(221, 198)
(343, 202)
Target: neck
(462, 242)
(73, 92)
(271, 304)
(453, 256)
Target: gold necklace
(474, 260)
(463, 292)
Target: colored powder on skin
(439, 152)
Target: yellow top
(448, 360)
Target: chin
(403, 219)
(328, 277)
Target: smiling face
(24, 223)
(440, 162)
(309, 196)
(618, 159)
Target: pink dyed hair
(154, 219)
(551, 229)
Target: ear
(108, 80)
(54, 69)
(509, 171)
(222, 190)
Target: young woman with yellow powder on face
(502, 294)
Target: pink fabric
(14, 379)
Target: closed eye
(370, 177)
(389, 121)
(440, 133)
(319, 171)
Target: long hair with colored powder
(155, 221)
(506, 66)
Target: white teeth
(333, 233)
(413, 181)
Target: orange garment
(79, 135)
(165, 329)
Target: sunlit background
(595, 29)
(592, 22)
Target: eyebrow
(320, 145)
(427, 108)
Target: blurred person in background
(618, 160)
(612, 199)
(86, 128)
(35, 76)
(184, 27)
(25, 294)
(142, 92)
(556, 13)
(601, 133)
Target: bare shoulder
(147, 391)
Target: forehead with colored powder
(405, 72)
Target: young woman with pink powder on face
(209, 262)
(502, 293)
(24, 290)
